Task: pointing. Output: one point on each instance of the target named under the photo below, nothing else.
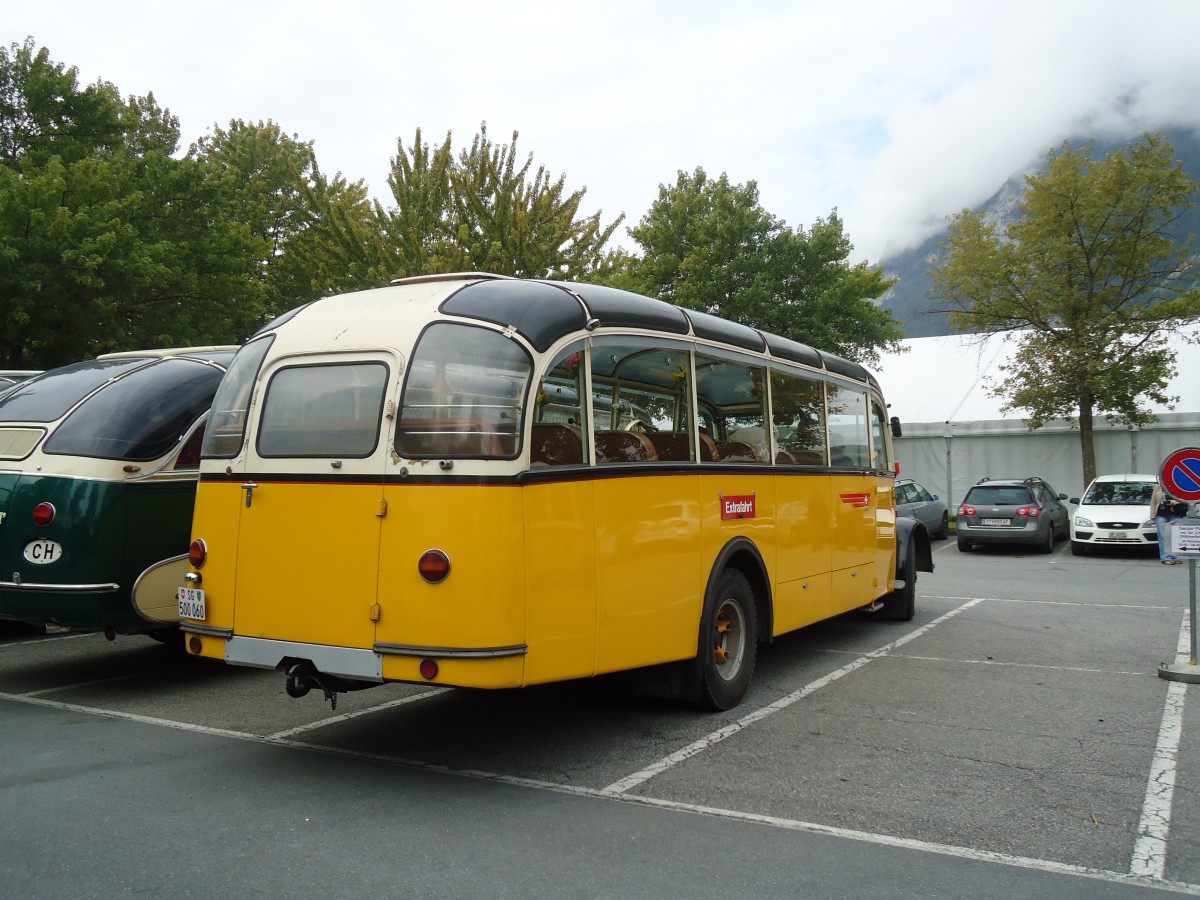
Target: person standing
(1166, 509)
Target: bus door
(311, 502)
(853, 497)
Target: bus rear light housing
(198, 553)
(43, 514)
(434, 566)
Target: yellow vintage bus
(488, 482)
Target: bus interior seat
(737, 451)
(553, 444)
(623, 446)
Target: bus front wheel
(728, 642)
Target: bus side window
(737, 392)
(640, 399)
(798, 412)
(557, 436)
(848, 437)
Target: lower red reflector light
(194, 644)
(429, 668)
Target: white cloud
(896, 114)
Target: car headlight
(1083, 522)
(1150, 523)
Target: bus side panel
(560, 546)
(803, 594)
(481, 603)
(650, 572)
(216, 519)
(853, 499)
(761, 529)
(885, 536)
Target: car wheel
(964, 545)
(901, 604)
(728, 642)
(944, 532)
(1079, 548)
(1047, 546)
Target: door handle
(249, 487)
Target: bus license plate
(996, 521)
(191, 603)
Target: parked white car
(1114, 512)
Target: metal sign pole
(1179, 476)
(1184, 539)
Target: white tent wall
(955, 432)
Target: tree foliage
(709, 245)
(1092, 275)
(107, 240)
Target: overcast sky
(897, 114)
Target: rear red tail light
(198, 553)
(434, 566)
(43, 514)
(966, 510)
(1031, 511)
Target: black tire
(964, 545)
(901, 604)
(1047, 546)
(728, 642)
(1079, 548)
(944, 532)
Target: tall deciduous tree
(107, 240)
(1094, 278)
(487, 210)
(709, 245)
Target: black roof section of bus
(544, 311)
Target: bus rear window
(142, 416)
(463, 395)
(323, 410)
(49, 397)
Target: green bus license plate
(191, 603)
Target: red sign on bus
(740, 507)
(1180, 474)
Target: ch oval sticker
(42, 553)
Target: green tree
(709, 245)
(1091, 280)
(268, 178)
(487, 211)
(107, 240)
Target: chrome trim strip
(38, 587)
(261, 653)
(453, 652)
(207, 630)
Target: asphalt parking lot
(1013, 740)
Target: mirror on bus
(897, 431)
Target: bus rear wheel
(728, 642)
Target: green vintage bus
(98, 468)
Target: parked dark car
(1012, 511)
(915, 502)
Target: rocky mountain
(909, 299)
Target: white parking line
(710, 740)
(412, 698)
(1150, 848)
